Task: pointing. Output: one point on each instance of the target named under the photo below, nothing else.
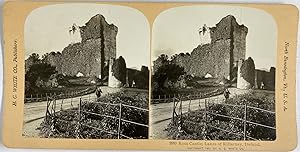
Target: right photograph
(213, 74)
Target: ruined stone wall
(82, 57)
(218, 58)
(239, 42)
(86, 56)
(223, 29)
(92, 30)
(208, 58)
(138, 78)
(265, 77)
(211, 58)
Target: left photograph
(87, 72)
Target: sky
(176, 30)
(46, 29)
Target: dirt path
(35, 112)
(161, 114)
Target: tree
(161, 60)
(119, 69)
(166, 73)
(32, 59)
(41, 71)
(248, 71)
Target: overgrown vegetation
(248, 70)
(67, 128)
(119, 69)
(170, 78)
(194, 122)
(166, 75)
(37, 74)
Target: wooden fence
(51, 112)
(187, 96)
(61, 95)
(177, 113)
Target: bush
(37, 71)
(248, 71)
(119, 69)
(255, 99)
(67, 129)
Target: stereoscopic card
(150, 76)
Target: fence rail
(60, 95)
(177, 112)
(51, 114)
(186, 96)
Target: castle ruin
(218, 51)
(91, 46)
(220, 54)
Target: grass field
(68, 127)
(194, 122)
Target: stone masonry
(97, 46)
(217, 58)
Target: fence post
(165, 97)
(245, 121)
(173, 113)
(46, 115)
(205, 117)
(54, 105)
(181, 123)
(79, 119)
(119, 126)
(62, 102)
(54, 115)
(190, 105)
(158, 96)
(72, 101)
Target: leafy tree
(119, 69)
(248, 70)
(32, 59)
(44, 57)
(42, 71)
(161, 60)
(166, 73)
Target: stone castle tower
(218, 54)
(92, 45)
